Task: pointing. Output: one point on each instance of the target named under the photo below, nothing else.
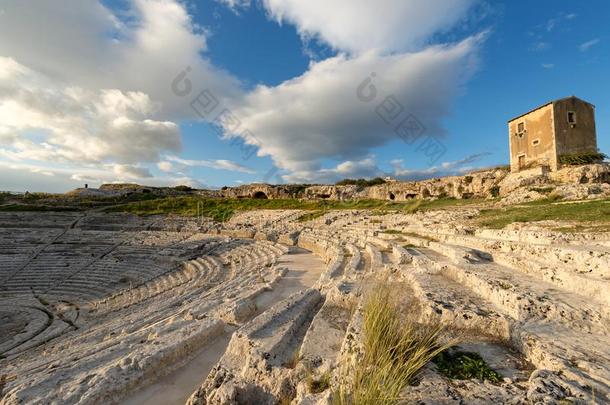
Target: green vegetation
(395, 350)
(183, 188)
(361, 182)
(310, 216)
(221, 209)
(392, 231)
(494, 191)
(460, 365)
(582, 158)
(485, 169)
(587, 228)
(35, 208)
(597, 212)
(417, 235)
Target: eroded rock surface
(94, 306)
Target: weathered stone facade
(539, 137)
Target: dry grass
(316, 385)
(395, 350)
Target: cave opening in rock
(259, 195)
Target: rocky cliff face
(483, 184)
(569, 182)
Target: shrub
(361, 182)
(465, 365)
(494, 191)
(582, 158)
(183, 188)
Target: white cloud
(78, 125)
(88, 88)
(318, 115)
(131, 172)
(584, 47)
(451, 168)
(561, 18)
(166, 167)
(220, 164)
(362, 25)
(86, 45)
(364, 168)
(548, 65)
(81, 86)
(36, 177)
(235, 5)
(540, 46)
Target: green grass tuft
(461, 365)
(310, 216)
(395, 350)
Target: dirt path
(304, 269)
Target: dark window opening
(571, 117)
(521, 128)
(392, 196)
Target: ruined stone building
(540, 136)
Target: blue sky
(275, 64)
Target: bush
(464, 366)
(361, 182)
(585, 158)
(183, 188)
(494, 191)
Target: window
(521, 129)
(536, 142)
(571, 117)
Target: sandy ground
(304, 269)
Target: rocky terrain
(571, 182)
(97, 305)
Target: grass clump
(494, 191)
(318, 385)
(395, 350)
(594, 212)
(310, 216)
(4, 196)
(420, 236)
(461, 365)
(585, 158)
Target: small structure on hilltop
(542, 136)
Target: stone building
(560, 127)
